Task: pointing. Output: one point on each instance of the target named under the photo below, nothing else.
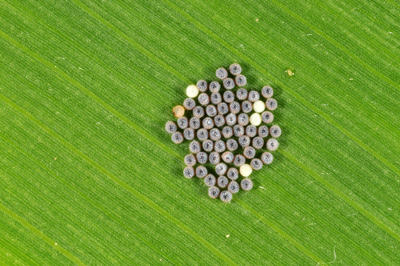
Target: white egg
(259, 106)
(245, 170)
(255, 119)
(192, 91)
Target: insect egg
(241, 94)
(219, 120)
(253, 96)
(267, 158)
(228, 83)
(221, 73)
(170, 127)
(215, 134)
(230, 119)
(194, 146)
(219, 146)
(246, 184)
(267, 117)
(225, 196)
(188, 172)
(189, 104)
(207, 145)
(251, 131)
(213, 192)
(188, 133)
(210, 180)
(214, 86)
(194, 122)
(258, 143)
(231, 144)
(234, 107)
(208, 123)
(244, 141)
(249, 152)
(216, 97)
(275, 131)
(221, 168)
(202, 85)
(177, 137)
(222, 181)
(238, 130)
(258, 106)
(211, 110)
(271, 104)
(233, 187)
(256, 164)
(241, 80)
(243, 119)
(202, 134)
(235, 69)
(272, 144)
(214, 157)
(202, 157)
(239, 160)
(223, 108)
(201, 171)
(228, 96)
(255, 119)
(198, 112)
(178, 111)
(227, 132)
(247, 107)
(192, 91)
(263, 131)
(203, 98)
(245, 170)
(183, 122)
(227, 157)
(233, 173)
(267, 92)
(190, 160)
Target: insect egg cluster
(229, 129)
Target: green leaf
(89, 176)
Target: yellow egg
(178, 111)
